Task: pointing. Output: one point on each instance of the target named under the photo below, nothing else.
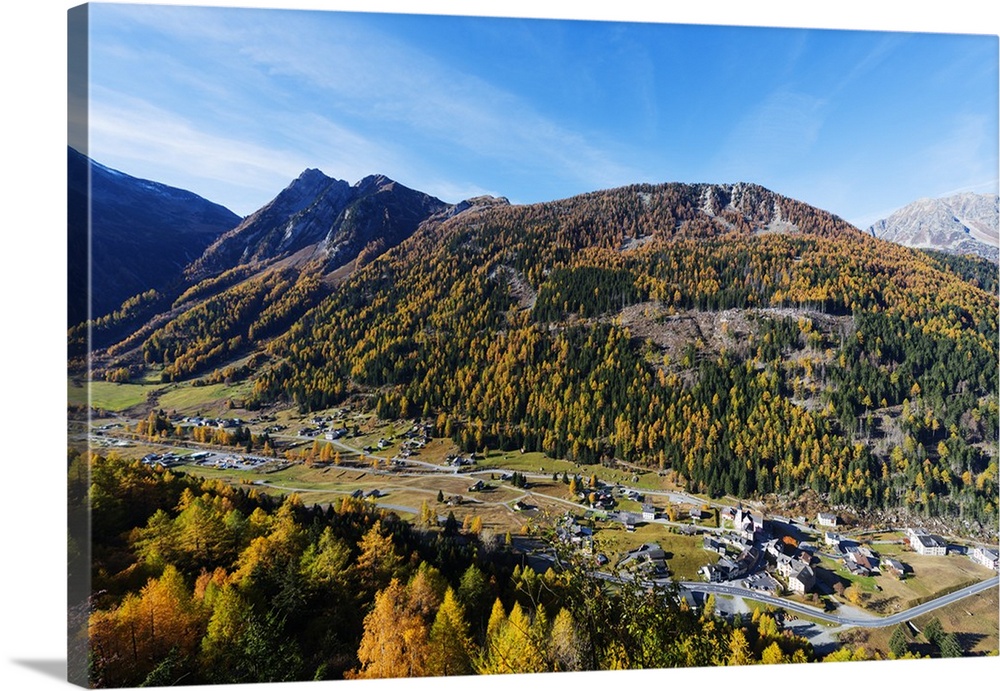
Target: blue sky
(234, 103)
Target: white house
(828, 520)
(925, 543)
(803, 581)
(986, 556)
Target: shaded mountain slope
(143, 234)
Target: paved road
(862, 620)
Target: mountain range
(961, 224)
(749, 342)
(317, 218)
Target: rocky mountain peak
(964, 223)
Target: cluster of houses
(860, 560)
(747, 523)
(169, 459)
(600, 497)
(416, 438)
(220, 422)
(648, 559)
(411, 446)
(742, 548)
(729, 568)
(419, 432)
(323, 424)
(793, 563)
(571, 532)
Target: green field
(111, 396)
(973, 619)
(190, 398)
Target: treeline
(200, 582)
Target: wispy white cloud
(372, 75)
(371, 99)
(136, 136)
(870, 61)
(968, 149)
(780, 130)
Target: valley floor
(608, 513)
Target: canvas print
(417, 346)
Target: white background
(32, 333)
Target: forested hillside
(198, 582)
(821, 357)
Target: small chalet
(832, 539)
(892, 567)
(648, 512)
(628, 519)
(713, 545)
(716, 573)
(828, 520)
(728, 569)
(648, 557)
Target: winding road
(866, 621)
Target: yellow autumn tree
(564, 648)
(739, 649)
(450, 643)
(511, 647)
(378, 561)
(131, 639)
(395, 642)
